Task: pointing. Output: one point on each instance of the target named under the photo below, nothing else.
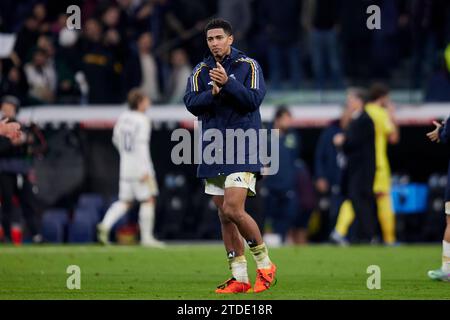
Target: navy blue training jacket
(444, 132)
(287, 176)
(235, 107)
(325, 160)
(444, 138)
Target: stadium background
(81, 166)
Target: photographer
(16, 157)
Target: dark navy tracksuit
(326, 166)
(235, 107)
(444, 137)
(281, 202)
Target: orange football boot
(265, 278)
(233, 286)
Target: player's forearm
(199, 103)
(249, 99)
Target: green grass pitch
(193, 272)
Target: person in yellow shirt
(382, 112)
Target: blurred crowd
(153, 44)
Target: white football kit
(131, 136)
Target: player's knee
(149, 201)
(232, 211)
(223, 218)
(122, 205)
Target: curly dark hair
(219, 24)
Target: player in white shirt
(131, 136)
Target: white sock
(445, 256)
(117, 210)
(238, 267)
(146, 221)
(261, 256)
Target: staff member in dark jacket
(358, 145)
(225, 92)
(327, 174)
(15, 166)
(282, 200)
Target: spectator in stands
(385, 43)
(26, 39)
(282, 25)
(438, 85)
(127, 17)
(69, 49)
(40, 14)
(111, 19)
(115, 43)
(181, 70)
(185, 20)
(65, 87)
(15, 167)
(281, 200)
(41, 77)
(150, 16)
(355, 39)
(429, 19)
(321, 20)
(97, 64)
(142, 71)
(13, 80)
(11, 14)
(58, 25)
(238, 13)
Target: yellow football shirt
(383, 128)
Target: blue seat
(92, 202)
(87, 212)
(54, 222)
(82, 229)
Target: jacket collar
(211, 62)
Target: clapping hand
(434, 135)
(10, 130)
(218, 75)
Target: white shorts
(447, 208)
(130, 190)
(216, 186)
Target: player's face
(285, 122)
(385, 101)
(145, 104)
(219, 42)
(353, 102)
